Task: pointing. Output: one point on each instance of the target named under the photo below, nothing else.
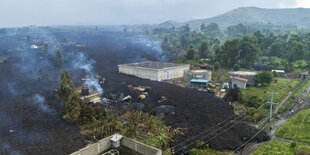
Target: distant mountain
(253, 15)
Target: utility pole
(271, 102)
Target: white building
(157, 71)
(200, 74)
(250, 75)
(239, 82)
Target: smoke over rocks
(30, 117)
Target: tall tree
(73, 107)
(249, 51)
(191, 52)
(59, 55)
(65, 86)
(204, 51)
(45, 47)
(231, 48)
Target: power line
(206, 130)
(214, 136)
(251, 138)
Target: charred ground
(29, 126)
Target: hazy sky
(112, 12)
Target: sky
(118, 12)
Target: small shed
(239, 82)
(303, 75)
(204, 66)
(199, 83)
(280, 72)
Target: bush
(236, 67)
(216, 66)
(233, 95)
(264, 77)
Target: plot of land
(282, 87)
(296, 128)
(278, 147)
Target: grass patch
(279, 148)
(303, 86)
(224, 77)
(282, 87)
(297, 127)
(287, 105)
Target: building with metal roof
(152, 70)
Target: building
(303, 75)
(200, 74)
(157, 71)
(118, 144)
(250, 75)
(280, 72)
(204, 66)
(199, 83)
(239, 82)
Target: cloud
(110, 12)
(303, 3)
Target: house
(249, 75)
(280, 72)
(204, 66)
(303, 75)
(239, 82)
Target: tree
(216, 66)
(191, 52)
(59, 56)
(231, 52)
(73, 107)
(254, 101)
(233, 95)
(249, 51)
(204, 51)
(45, 47)
(264, 77)
(65, 86)
(236, 67)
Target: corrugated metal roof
(241, 79)
(199, 81)
(304, 73)
(154, 65)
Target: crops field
(279, 148)
(297, 127)
(282, 87)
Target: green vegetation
(207, 151)
(282, 87)
(302, 87)
(3, 59)
(264, 77)
(297, 127)
(254, 99)
(280, 148)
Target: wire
(214, 136)
(205, 131)
(250, 138)
(211, 134)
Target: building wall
(206, 75)
(240, 84)
(105, 144)
(176, 72)
(154, 74)
(95, 149)
(140, 147)
(150, 74)
(251, 78)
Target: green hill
(252, 15)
